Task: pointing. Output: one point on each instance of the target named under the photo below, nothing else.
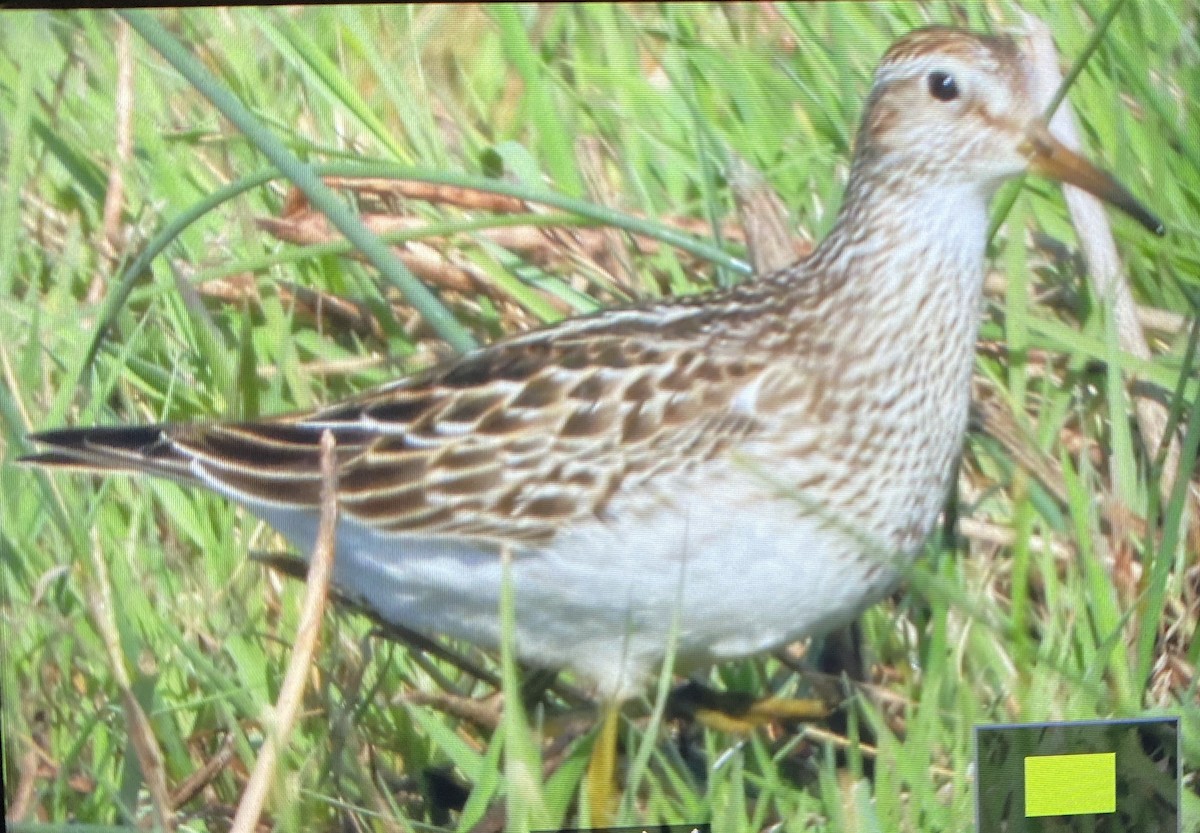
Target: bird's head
(953, 108)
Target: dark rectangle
(1145, 775)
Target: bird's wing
(505, 444)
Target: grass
(1077, 614)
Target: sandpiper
(726, 472)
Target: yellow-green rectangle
(1070, 785)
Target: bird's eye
(942, 86)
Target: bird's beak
(1048, 157)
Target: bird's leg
(727, 711)
(602, 767)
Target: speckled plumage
(733, 470)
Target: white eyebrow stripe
(914, 66)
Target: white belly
(728, 568)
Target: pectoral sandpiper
(732, 471)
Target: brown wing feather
(507, 443)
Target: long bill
(1049, 157)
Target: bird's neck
(896, 236)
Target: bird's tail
(136, 448)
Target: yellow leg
(602, 768)
(741, 713)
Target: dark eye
(942, 86)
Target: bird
(716, 475)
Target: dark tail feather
(137, 448)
